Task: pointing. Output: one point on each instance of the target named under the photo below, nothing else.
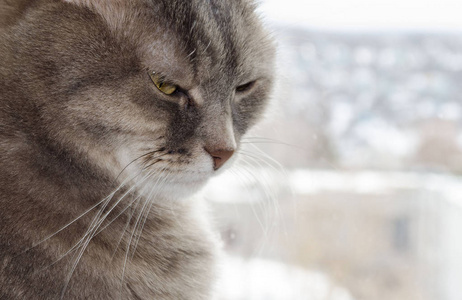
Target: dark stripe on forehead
(180, 16)
(205, 27)
(186, 27)
(223, 18)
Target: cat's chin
(176, 187)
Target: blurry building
(363, 100)
(380, 235)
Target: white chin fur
(174, 188)
(176, 185)
(180, 183)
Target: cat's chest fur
(189, 269)
(170, 262)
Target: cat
(113, 113)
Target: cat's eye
(245, 87)
(163, 86)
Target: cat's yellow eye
(164, 87)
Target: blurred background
(351, 188)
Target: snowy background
(351, 188)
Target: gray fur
(81, 122)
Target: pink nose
(219, 157)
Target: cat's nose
(219, 157)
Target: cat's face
(165, 87)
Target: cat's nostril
(219, 157)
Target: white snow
(308, 182)
(229, 188)
(260, 279)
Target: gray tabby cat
(113, 113)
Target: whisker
(147, 214)
(138, 158)
(270, 195)
(257, 159)
(89, 209)
(269, 159)
(85, 236)
(77, 218)
(133, 232)
(138, 201)
(96, 223)
(266, 159)
(264, 140)
(240, 178)
(79, 243)
(99, 222)
(261, 156)
(150, 165)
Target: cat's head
(167, 87)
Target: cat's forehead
(196, 40)
(207, 38)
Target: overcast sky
(443, 15)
